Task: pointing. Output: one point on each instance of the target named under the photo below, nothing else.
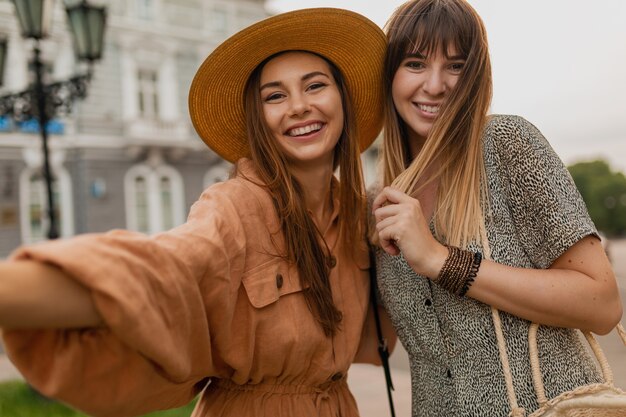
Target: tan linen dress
(209, 300)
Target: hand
(402, 227)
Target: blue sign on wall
(5, 124)
(54, 127)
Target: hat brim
(351, 41)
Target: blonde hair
(455, 139)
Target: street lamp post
(3, 54)
(43, 101)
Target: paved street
(368, 383)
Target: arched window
(141, 204)
(34, 205)
(36, 209)
(167, 212)
(154, 198)
(171, 197)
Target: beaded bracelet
(459, 270)
(472, 273)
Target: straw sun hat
(351, 41)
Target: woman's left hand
(402, 227)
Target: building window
(141, 205)
(146, 9)
(167, 212)
(34, 205)
(154, 198)
(36, 211)
(148, 93)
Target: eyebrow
(304, 78)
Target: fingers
(399, 221)
(391, 202)
(392, 223)
(389, 241)
(388, 211)
(390, 247)
(389, 196)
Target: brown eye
(274, 97)
(415, 65)
(457, 67)
(316, 86)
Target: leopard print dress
(535, 214)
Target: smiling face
(420, 85)
(302, 107)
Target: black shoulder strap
(383, 350)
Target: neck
(316, 185)
(416, 143)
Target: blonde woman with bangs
(475, 212)
(259, 302)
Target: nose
(435, 83)
(299, 105)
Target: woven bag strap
(534, 354)
(533, 351)
(622, 333)
(516, 411)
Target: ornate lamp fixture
(44, 101)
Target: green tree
(604, 192)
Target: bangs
(431, 27)
(432, 36)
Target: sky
(561, 64)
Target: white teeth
(299, 131)
(429, 109)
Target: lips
(304, 130)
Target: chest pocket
(265, 284)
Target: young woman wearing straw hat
(261, 298)
(460, 186)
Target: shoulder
(237, 195)
(236, 189)
(507, 122)
(243, 197)
(510, 136)
(509, 127)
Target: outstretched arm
(38, 295)
(578, 290)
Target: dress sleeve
(548, 211)
(167, 302)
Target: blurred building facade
(127, 156)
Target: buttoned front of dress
(535, 214)
(214, 302)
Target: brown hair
(304, 242)
(454, 141)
